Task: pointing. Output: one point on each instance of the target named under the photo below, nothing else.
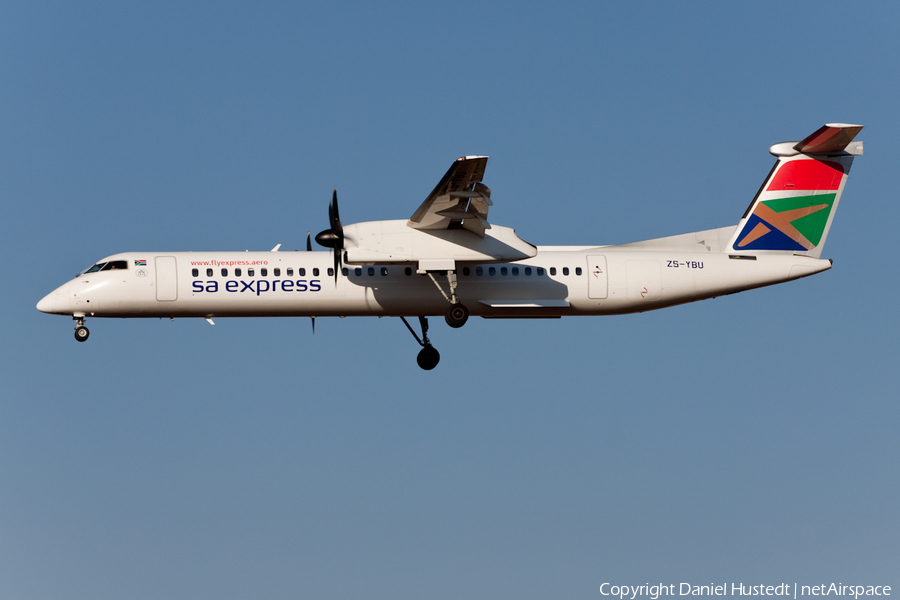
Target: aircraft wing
(459, 201)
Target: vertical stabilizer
(794, 208)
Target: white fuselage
(557, 281)
(447, 259)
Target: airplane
(447, 259)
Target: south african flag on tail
(794, 208)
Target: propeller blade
(337, 263)
(334, 236)
(336, 218)
(308, 243)
(313, 325)
(338, 230)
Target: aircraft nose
(47, 303)
(51, 303)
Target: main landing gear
(81, 332)
(457, 314)
(428, 357)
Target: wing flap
(459, 201)
(545, 303)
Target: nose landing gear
(81, 332)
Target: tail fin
(793, 210)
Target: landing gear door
(166, 278)
(597, 277)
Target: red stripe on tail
(807, 175)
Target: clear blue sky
(751, 438)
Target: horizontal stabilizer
(830, 138)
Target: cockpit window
(94, 269)
(115, 265)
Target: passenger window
(195, 272)
(515, 270)
(565, 270)
(527, 271)
(263, 272)
(209, 272)
(250, 272)
(224, 272)
(492, 271)
(479, 271)
(290, 271)
(504, 271)
(383, 271)
(331, 271)
(408, 271)
(553, 270)
(578, 270)
(466, 271)
(277, 272)
(357, 271)
(316, 272)
(301, 271)
(345, 271)
(237, 272)
(540, 271)
(371, 271)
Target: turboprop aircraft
(447, 259)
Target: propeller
(309, 249)
(334, 236)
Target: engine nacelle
(396, 242)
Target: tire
(82, 333)
(457, 315)
(428, 358)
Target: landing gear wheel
(457, 315)
(81, 333)
(428, 358)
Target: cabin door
(597, 277)
(166, 279)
